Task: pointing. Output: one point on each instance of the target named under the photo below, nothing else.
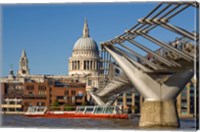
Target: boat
(80, 112)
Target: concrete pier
(158, 114)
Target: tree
(69, 108)
(55, 105)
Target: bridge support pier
(159, 114)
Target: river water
(26, 122)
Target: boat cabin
(79, 110)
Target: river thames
(21, 121)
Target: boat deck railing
(79, 109)
(98, 109)
(36, 109)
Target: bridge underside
(108, 94)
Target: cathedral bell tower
(23, 65)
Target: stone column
(95, 64)
(87, 65)
(159, 114)
(82, 64)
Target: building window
(59, 97)
(4, 102)
(79, 97)
(120, 100)
(30, 87)
(117, 71)
(30, 92)
(40, 87)
(42, 92)
(89, 82)
(43, 104)
(19, 102)
(73, 92)
(80, 94)
(66, 92)
(26, 104)
(12, 102)
(129, 100)
(129, 94)
(40, 104)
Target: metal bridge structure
(158, 75)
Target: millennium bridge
(158, 75)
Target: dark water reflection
(22, 121)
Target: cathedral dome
(85, 43)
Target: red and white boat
(80, 112)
